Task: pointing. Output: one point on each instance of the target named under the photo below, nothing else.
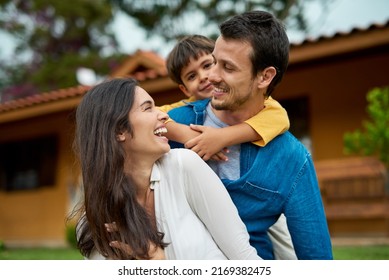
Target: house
(38, 176)
(323, 90)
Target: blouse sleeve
(211, 202)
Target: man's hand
(155, 253)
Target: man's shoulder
(286, 143)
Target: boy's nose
(204, 75)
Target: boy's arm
(260, 129)
(182, 133)
(178, 132)
(213, 140)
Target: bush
(373, 139)
(71, 236)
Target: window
(298, 112)
(28, 164)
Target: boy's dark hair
(188, 47)
(268, 38)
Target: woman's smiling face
(148, 126)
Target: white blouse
(195, 212)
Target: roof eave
(338, 44)
(70, 103)
(39, 109)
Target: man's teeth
(220, 89)
(160, 131)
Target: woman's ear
(184, 90)
(120, 137)
(266, 76)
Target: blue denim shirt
(278, 178)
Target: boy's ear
(184, 90)
(266, 76)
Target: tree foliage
(373, 139)
(172, 19)
(54, 38)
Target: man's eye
(228, 67)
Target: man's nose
(214, 74)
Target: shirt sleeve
(270, 122)
(304, 212)
(211, 202)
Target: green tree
(172, 19)
(53, 38)
(373, 139)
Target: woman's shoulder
(182, 157)
(181, 154)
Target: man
(251, 56)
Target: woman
(162, 202)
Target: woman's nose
(163, 116)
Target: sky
(342, 16)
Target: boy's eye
(208, 65)
(191, 77)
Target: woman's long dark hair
(109, 195)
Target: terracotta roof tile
(42, 98)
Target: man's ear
(184, 90)
(120, 137)
(266, 76)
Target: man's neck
(243, 113)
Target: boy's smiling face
(195, 77)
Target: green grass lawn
(40, 254)
(378, 252)
(373, 252)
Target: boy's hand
(208, 144)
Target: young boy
(188, 65)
